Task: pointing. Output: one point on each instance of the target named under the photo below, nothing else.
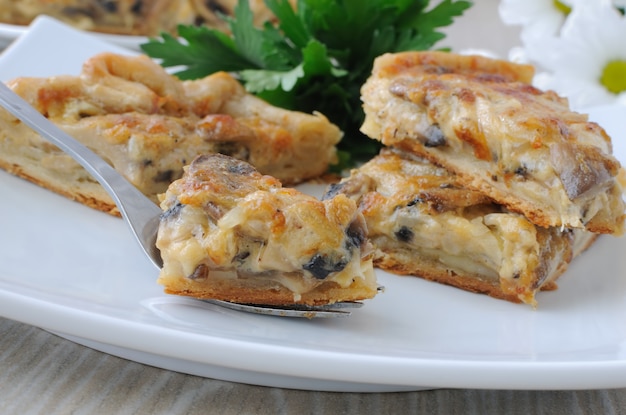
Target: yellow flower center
(614, 76)
(563, 8)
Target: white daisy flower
(587, 62)
(538, 18)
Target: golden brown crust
(481, 119)
(431, 271)
(269, 293)
(78, 195)
(149, 125)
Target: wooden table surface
(41, 373)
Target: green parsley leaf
(259, 80)
(249, 41)
(192, 55)
(439, 16)
(289, 22)
(316, 61)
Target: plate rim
(383, 373)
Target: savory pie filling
(422, 222)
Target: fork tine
(343, 304)
(294, 310)
(325, 311)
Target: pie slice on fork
(229, 233)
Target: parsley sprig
(315, 58)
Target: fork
(140, 213)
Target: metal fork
(139, 212)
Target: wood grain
(41, 373)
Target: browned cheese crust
(148, 125)
(230, 233)
(423, 222)
(481, 119)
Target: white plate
(78, 272)
(10, 32)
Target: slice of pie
(124, 17)
(423, 222)
(481, 119)
(148, 124)
(230, 233)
